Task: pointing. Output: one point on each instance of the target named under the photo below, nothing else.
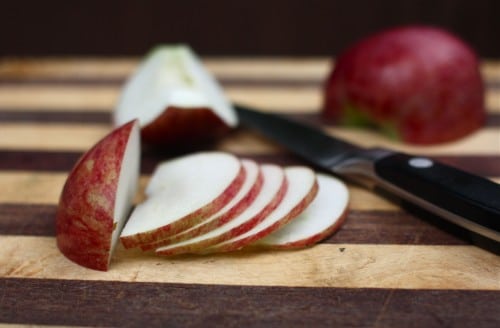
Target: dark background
(231, 27)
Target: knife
(461, 198)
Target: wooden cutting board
(385, 267)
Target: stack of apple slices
(200, 203)
(214, 202)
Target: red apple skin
(181, 128)
(421, 83)
(201, 246)
(214, 224)
(184, 223)
(239, 244)
(84, 219)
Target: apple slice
(247, 194)
(183, 192)
(177, 101)
(97, 196)
(273, 190)
(320, 219)
(302, 189)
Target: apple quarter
(97, 197)
(177, 101)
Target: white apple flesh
(183, 192)
(273, 190)
(247, 194)
(177, 101)
(97, 197)
(302, 189)
(319, 220)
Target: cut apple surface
(273, 189)
(246, 195)
(183, 192)
(320, 219)
(177, 101)
(97, 197)
(302, 189)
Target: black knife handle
(465, 199)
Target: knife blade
(464, 199)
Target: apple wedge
(97, 197)
(246, 195)
(183, 192)
(320, 219)
(273, 190)
(302, 190)
(177, 101)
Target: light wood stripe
(485, 141)
(51, 136)
(74, 98)
(325, 265)
(104, 98)
(45, 187)
(67, 67)
(76, 137)
(289, 67)
(101, 97)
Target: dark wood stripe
(271, 82)
(409, 227)
(111, 303)
(369, 227)
(82, 116)
(51, 161)
(27, 219)
(60, 81)
(404, 227)
(104, 116)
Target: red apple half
(302, 189)
(182, 193)
(418, 84)
(97, 197)
(319, 220)
(270, 196)
(177, 101)
(250, 189)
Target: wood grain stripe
(52, 302)
(483, 142)
(226, 82)
(105, 117)
(361, 227)
(56, 161)
(76, 137)
(44, 188)
(96, 97)
(53, 116)
(325, 265)
(289, 67)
